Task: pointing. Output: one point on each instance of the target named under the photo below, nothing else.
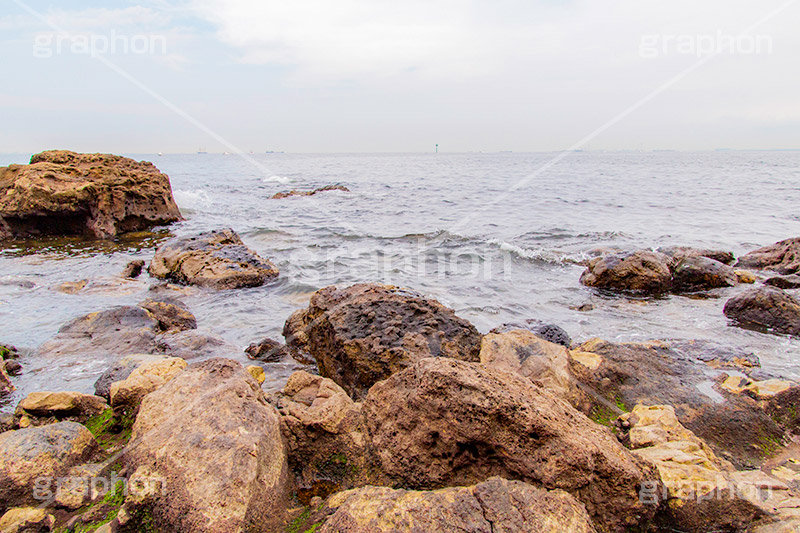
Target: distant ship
(202, 151)
(160, 153)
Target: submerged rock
(39, 453)
(445, 422)
(214, 442)
(268, 350)
(172, 315)
(701, 273)
(367, 332)
(133, 269)
(783, 257)
(767, 307)
(66, 193)
(216, 259)
(493, 506)
(278, 196)
(641, 272)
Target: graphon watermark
(654, 491)
(49, 489)
(703, 45)
(49, 44)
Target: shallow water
(487, 234)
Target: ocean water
(498, 237)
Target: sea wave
(192, 199)
(555, 257)
(276, 179)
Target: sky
(388, 76)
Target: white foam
(276, 179)
(192, 199)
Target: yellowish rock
(258, 373)
(71, 287)
(745, 276)
(146, 378)
(61, 403)
(735, 384)
(590, 360)
(769, 387)
(23, 519)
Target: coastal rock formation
(766, 307)
(544, 330)
(324, 432)
(700, 493)
(623, 375)
(66, 193)
(172, 315)
(367, 332)
(278, 196)
(444, 422)
(268, 350)
(782, 257)
(701, 273)
(493, 506)
(679, 252)
(791, 281)
(120, 370)
(211, 437)
(641, 272)
(43, 407)
(27, 520)
(126, 395)
(45, 452)
(216, 259)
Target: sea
(499, 237)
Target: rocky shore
(402, 416)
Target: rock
(66, 193)
(445, 422)
(792, 281)
(126, 395)
(133, 269)
(268, 350)
(678, 252)
(71, 287)
(191, 344)
(278, 196)
(548, 332)
(32, 458)
(258, 373)
(784, 408)
(120, 370)
(765, 307)
(641, 272)
(655, 373)
(493, 506)
(700, 495)
(325, 436)
(11, 367)
(84, 484)
(213, 438)
(523, 352)
(27, 520)
(367, 332)
(714, 354)
(745, 276)
(172, 315)
(782, 257)
(700, 273)
(6, 387)
(216, 259)
(61, 405)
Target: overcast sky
(377, 75)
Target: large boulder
(32, 459)
(324, 432)
(44, 407)
(126, 395)
(121, 369)
(640, 272)
(765, 307)
(216, 259)
(701, 273)
(783, 257)
(367, 332)
(211, 437)
(679, 374)
(493, 506)
(66, 193)
(445, 422)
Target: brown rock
(126, 395)
(133, 269)
(213, 439)
(325, 436)
(783, 257)
(27, 520)
(765, 307)
(792, 281)
(278, 196)
(43, 453)
(641, 272)
(268, 350)
(493, 506)
(216, 259)
(678, 252)
(784, 408)
(367, 332)
(172, 315)
(445, 422)
(61, 405)
(66, 193)
(701, 273)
